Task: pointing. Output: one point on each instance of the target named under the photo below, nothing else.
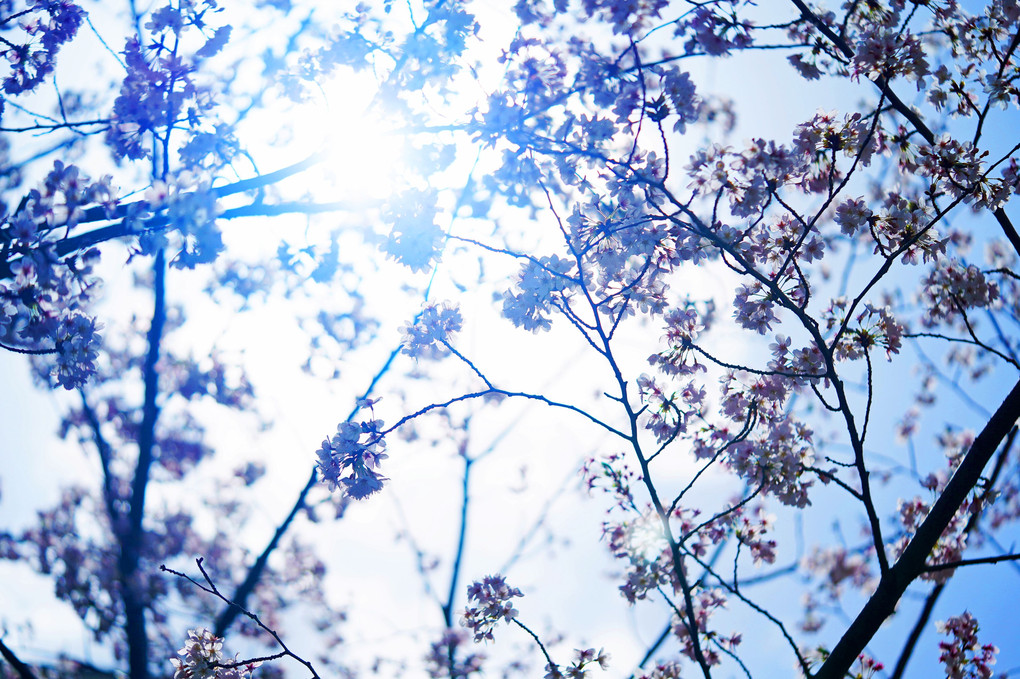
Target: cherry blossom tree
(795, 352)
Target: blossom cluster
(44, 304)
(489, 601)
(427, 335)
(713, 31)
(47, 24)
(612, 475)
(777, 449)
(189, 208)
(955, 167)
(963, 655)
(667, 670)
(866, 667)
(202, 658)
(42, 312)
(828, 136)
(976, 40)
(904, 225)
(667, 416)
(160, 90)
(642, 545)
(872, 326)
(540, 284)
(751, 531)
(836, 569)
(415, 238)
(350, 459)
(706, 602)
(683, 326)
(951, 289)
(885, 52)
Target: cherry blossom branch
(833, 191)
(726, 512)
(747, 582)
(212, 589)
(886, 267)
(515, 255)
(735, 591)
(690, 619)
(749, 423)
(245, 589)
(732, 654)
(972, 525)
(812, 327)
(912, 116)
(912, 562)
(688, 344)
(673, 434)
(835, 479)
(998, 75)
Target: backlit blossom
(963, 656)
(431, 330)
(349, 460)
(202, 658)
(489, 601)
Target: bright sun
(363, 145)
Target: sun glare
(364, 144)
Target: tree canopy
(574, 338)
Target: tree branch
(933, 596)
(230, 612)
(912, 563)
(23, 670)
(131, 542)
(238, 602)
